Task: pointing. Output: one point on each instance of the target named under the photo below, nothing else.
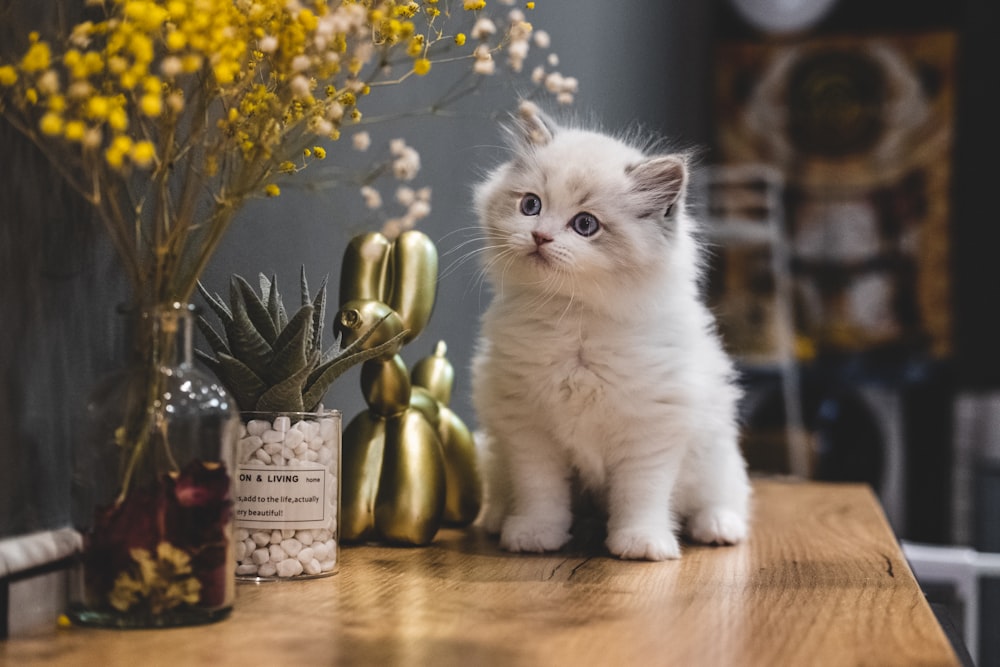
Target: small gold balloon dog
(409, 462)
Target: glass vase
(288, 495)
(152, 486)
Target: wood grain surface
(821, 582)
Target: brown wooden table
(821, 582)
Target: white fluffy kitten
(597, 359)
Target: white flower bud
(405, 195)
(484, 67)
(361, 141)
(268, 44)
(171, 66)
(419, 210)
(373, 199)
(483, 28)
(299, 86)
(554, 82)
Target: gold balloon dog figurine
(408, 462)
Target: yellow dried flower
(75, 130)
(37, 59)
(151, 105)
(8, 75)
(415, 46)
(142, 153)
(135, 88)
(51, 124)
(421, 66)
(176, 40)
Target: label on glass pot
(282, 497)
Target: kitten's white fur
(597, 358)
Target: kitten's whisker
(459, 262)
(492, 241)
(500, 253)
(461, 230)
(569, 302)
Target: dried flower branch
(167, 115)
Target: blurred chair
(961, 567)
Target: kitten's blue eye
(585, 224)
(531, 204)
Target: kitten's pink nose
(541, 239)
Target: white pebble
(315, 444)
(312, 456)
(267, 570)
(309, 429)
(276, 537)
(241, 534)
(328, 565)
(292, 547)
(278, 461)
(325, 455)
(294, 438)
(320, 551)
(240, 550)
(247, 446)
(289, 568)
(327, 428)
(250, 547)
(282, 423)
(322, 535)
(272, 436)
(300, 448)
(305, 555)
(246, 570)
(261, 556)
(312, 567)
(262, 456)
(257, 426)
(304, 536)
(287, 453)
(287, 533)
(277, 553)
(261, 537)
(273, 448)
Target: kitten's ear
(534, 128)
(658, 184)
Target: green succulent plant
(270, 362)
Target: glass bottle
(153, 486)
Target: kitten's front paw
(718, 526)
(522, 533)
(636, 544)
